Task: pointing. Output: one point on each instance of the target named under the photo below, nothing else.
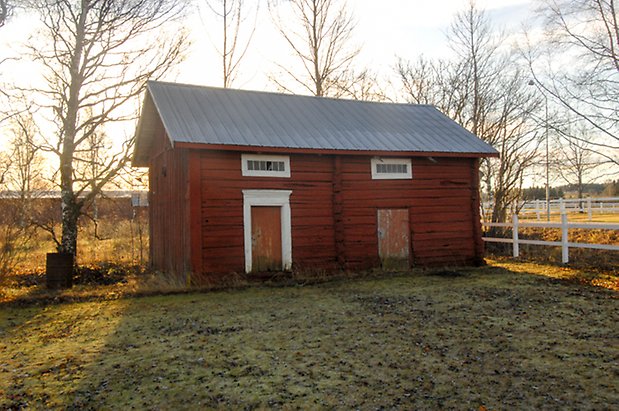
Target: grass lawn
(490, 338)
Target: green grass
(496, 337)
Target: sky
(385, 30)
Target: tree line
(97, 55)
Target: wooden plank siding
(169, 203)
(438, 198)
(197, 224)
(313, 241)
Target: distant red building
(244, 181)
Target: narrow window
(391, 168)
(263, 165)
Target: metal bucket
(59, 270)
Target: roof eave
(386, 153)
(146, 131)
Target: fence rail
(565, 244)
(589, 205)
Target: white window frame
(265, 173)
(392, 176)
(275, 198)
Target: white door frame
(277, 198)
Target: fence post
(564, 240)
(561, 206)
(537, 209)
(589, 210)
(515, 235)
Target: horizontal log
(432, 236)
(407, 192)
(427, 226)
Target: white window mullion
(391, 168)
(264, 165)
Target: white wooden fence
(590, 206)
(565, 244)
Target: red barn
(245, 181)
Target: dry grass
(601, 261)
(576, 217)
(587, 276)
(125, 241)
(493, 338)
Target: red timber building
(246, 181)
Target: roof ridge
(276, 93)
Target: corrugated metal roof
(208, 115)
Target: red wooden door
(394, 239)
(266, 238)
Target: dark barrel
(59, 270)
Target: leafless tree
(441, 83)
(507, 126)
(233, 48)
(575, 160)
(579, 67)
(612, 189)
(320, 36)
(6, 9)
(21, 180)
(97, 56)
(26, 174)
(484, 91)
(364, 86)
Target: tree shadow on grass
(49, 349)
(491, 338)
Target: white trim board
(276, 198)
(392, 176)
(265, 173)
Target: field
(499, 337)
(123, 238)
(574, 217)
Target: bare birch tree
(578, 66)
(484, 91)
(320, 37)
(6, 8)
(97, 56)
(233, 47)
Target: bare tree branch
(484, 91)
(97, 56)
(587, 84)
(320, 38)
(6, 9)
(233, 49)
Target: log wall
(196, 210)
(168, 209)
(313, 241)
(334, 203)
